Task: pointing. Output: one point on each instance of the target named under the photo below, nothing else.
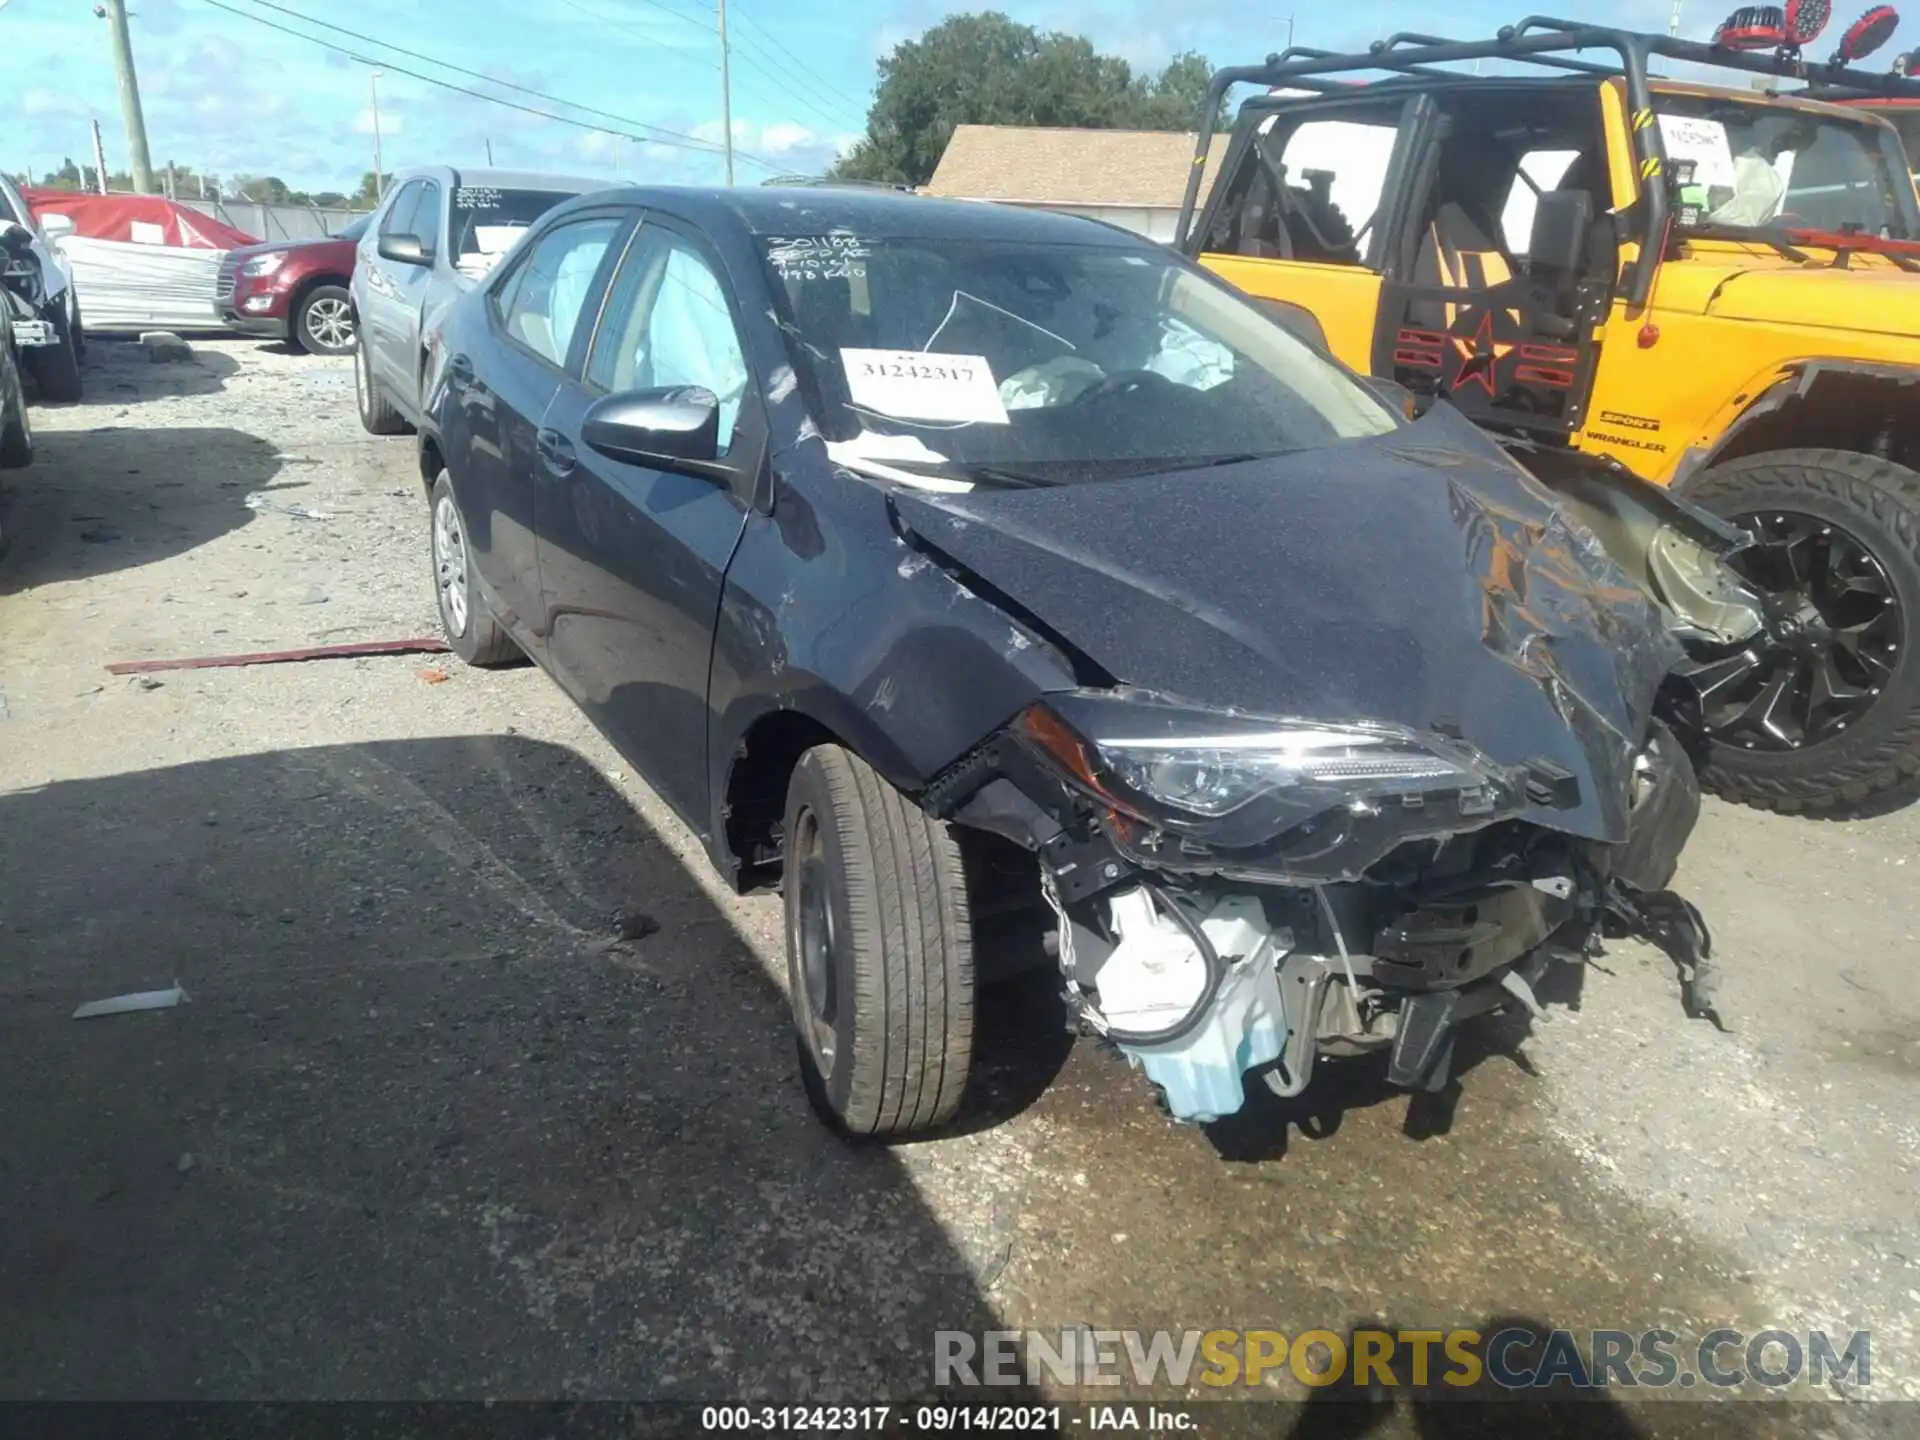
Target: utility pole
(726, 93)
(136, 123)
(489, 150)
(99, 159)
(1673, 21)
(1289, 20)
(379, 175)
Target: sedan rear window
(1048, 363)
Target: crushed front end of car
(1448, 776)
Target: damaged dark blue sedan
(962, 570)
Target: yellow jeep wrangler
(1716, 288)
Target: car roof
(501, 179)
(876, 214)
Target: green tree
(986, 69)
(370, 189)
(67, 177)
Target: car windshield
(487, 221)
(355, 230)
(1003, 363)
(1778, 167)
(1906, 120)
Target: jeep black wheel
(1821, 712)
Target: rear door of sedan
(633, 557)
(507, 363)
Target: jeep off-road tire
(1875, 761)
(472, 632)
(879, 951)
(377, 415)
(56, 368)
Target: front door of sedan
(501, 376)
(632, 557)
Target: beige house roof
(1038, 165)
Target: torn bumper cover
(1341, 786)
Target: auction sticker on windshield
(1702, 141)
(924, 385)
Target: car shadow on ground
(118, 373)
(425, 1125)
(1455, 1403)
(95, 501)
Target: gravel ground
(484, 1087)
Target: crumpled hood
(1414, 578)
(1880, 302)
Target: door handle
(556, 452)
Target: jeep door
(1307, 206)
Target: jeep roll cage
(1410, 60)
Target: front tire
(472, 632)
(1821, 713)
(56, 368)
(879, 951)
(323, 323)
(377, 415)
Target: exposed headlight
(1239, 780)
(264, 264)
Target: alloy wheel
(329, 323)
(1834, 630)
(450, 564)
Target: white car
(53, 343)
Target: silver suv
(435, 236)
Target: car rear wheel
(377, 416)
(1822, 711)
(56, 367)
(324, 322)
(16, 428)
(879, 950)
(472, 632)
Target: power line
(796, 87)
(605, 19)
(657, 135)
(771, 45)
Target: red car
(292, 290)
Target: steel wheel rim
(329, 323)
(811, 937)
(1835, 633)
(450, 563)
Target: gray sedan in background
(438, 232)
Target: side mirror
(16, 240)
(405, 249)
(1562, 225)
(645, 427)
(56, 227)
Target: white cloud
(392, 122)
(783, 136)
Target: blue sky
(230, 95)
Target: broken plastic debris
(130, 1004)
(434, 677)
(257, 500)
